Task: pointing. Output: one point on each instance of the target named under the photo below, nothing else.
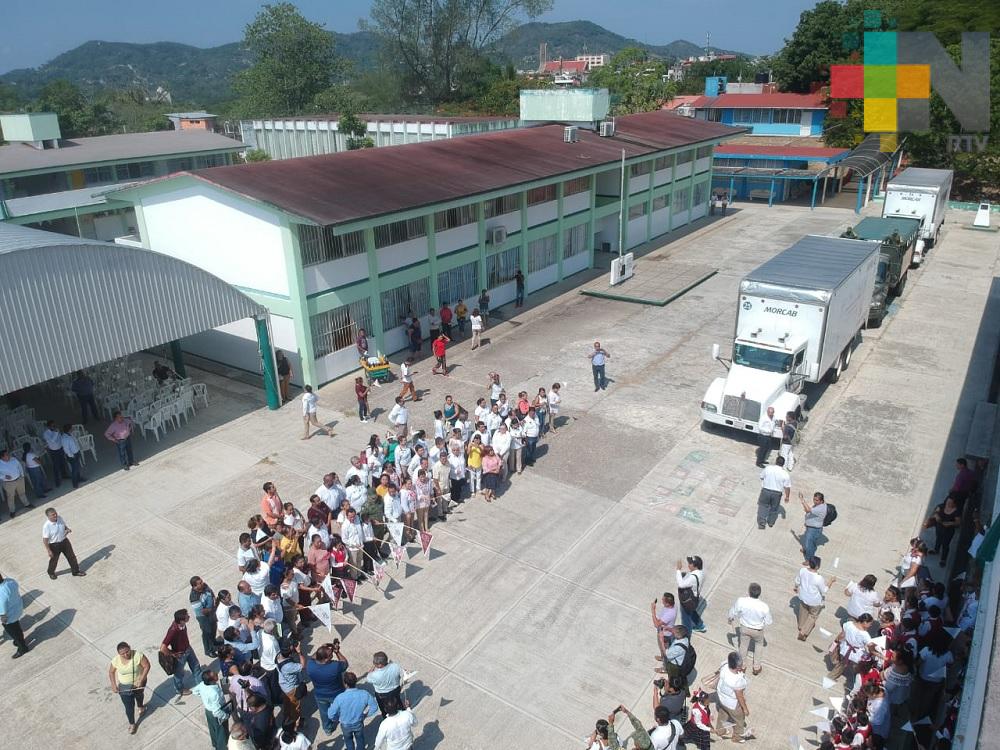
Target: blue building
(764, 113)
(772, 173)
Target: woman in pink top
(424, 488)
(491, 473)
(271, 507)
(319, 560)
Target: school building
(359, 239)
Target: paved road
(530, 620)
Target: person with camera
(664, 619)
(128, 672)
(326, 672)
(672, 695)
(291, 668)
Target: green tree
(293, 61)
(636, 83)
(744, 68)
(255, 155)
(355, 131)
(433, 41)
(78, 116)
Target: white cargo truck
(923, 194)
(798, 319)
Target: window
(500, 268)
(663, 162)
(338, 328)
(684, 157)
(637, 211)
(97, 175)
(134, 171)
(704, 152)
(660, 202)
(575, 240)
(714, 115)
(542, 194)
(458, 283)
(638, 170)
(787, 116)
(320, 244)
(210, 160)
(700, 193)
(681, 198)
(576, 185)
(505, 204)
(179, 165)
(454, 217)
(399, 303)
(399, 231)
(751, 116)
(541, 253)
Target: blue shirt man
(11, 610)
(351, 708)
(598, 358)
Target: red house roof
(764, 101)
(565, 66)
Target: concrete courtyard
(531, 618)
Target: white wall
(542, 212)
(576, 263)
(334, 365)
(606, 230)
(636, 232)
(576, 202)
(682, 171)
(539, 279)
(662, 176)
(511, 221)
(661, 221)
(703, 165)
(638, 184)
(238, 241)
(805, 126)
(698, 211)
(500, 295)
(402, 254)
(235, 344)
(334, 273)
(457, 238)
(680, 218)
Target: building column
(523, 252)
(770, 197)
(861, 195)
(560, 244)
(812, 203)
(299, 303)
(376, 289)
(822, 200)
(432, 262)
(481, 214)
(649, 201)
(732, 189)
(267, 363)
(178, 356)
(591, 222)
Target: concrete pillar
(812, 203)
(861, 196)
(376, 285)
(267, 362)
(178, 357)
(770, 196)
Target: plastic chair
(77, 431)
(201, 392)
(21, 440)
(185, 403)
(154, 423)
(170, 414)
(86, 442)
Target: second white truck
(798, 318)
(917, 193)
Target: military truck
(898, 236)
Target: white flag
(322, 612)
(327, 587)
(828, 683)
(823, 713)
(396, 531)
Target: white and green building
(358, 239)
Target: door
(798, 375)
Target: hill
(572, 38)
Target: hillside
(203, 77)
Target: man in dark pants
(71, 450)
(765, 436)
(519, 286)
(53, 444)
(598, 358)
(83, 387)
(11, 609)
(55, 538)
(386, 679)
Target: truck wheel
(875, 322)
(848, 352)
(835, 372)
(898, 289)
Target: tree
(255, 155)
(355, 131)
(431, 41)
(636, 83)
(735, 70)
(293, 61)
(78, 116)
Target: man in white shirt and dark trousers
(71, 450)
(55, 534)
(765, 436)
(396, 730)
(775, 486)
(811, 589)
(751, 616)
(53, 444)
(399, 418)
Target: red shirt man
(445, 314)
(438, 347)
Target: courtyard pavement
(531, 618)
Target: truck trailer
(798, 318)
(917, 193)
(897, 238)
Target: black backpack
(690, 657)
(831, 514)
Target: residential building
(289, 137)
(594, 61)
(766, 113)
(565, 72)
(193, 121)
(361, 239)
(49, 182)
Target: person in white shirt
(392, 506)
(853, 642)
(406, 375)
(476, 319)
(399, 416)
(765, 436)
(322, 531)
(732, 699)
(357, 494)
(396, 730)
(554, 401)
(353, 537)
(751, 616)
(691, 584)
(532, 429)
(493, 420)
(864, 598)
(811, 588)
(481, 410)
(55, 534)
(456, 475)
(516, 446)
(36, 474)
(359, 468)
(53, 444)
(309, 414)
(775, 486)
(12, 474)
(246, 551)
(257, 575)
(331, 491)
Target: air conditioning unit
(571, 134)
(607, 128)
(497, 235)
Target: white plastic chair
(86, 442)
(170, 414)
(154, 423)
(21, 440)
(77, 431)
(185, 403)
(201, 392)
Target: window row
(399, 231)
(542, 253)
(400, 303)
(320, 244)
(542, 194)
(338, 328)
(454, 217)
(787, 116)
(458, 283)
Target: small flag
(407, 676)
(837, 703)
(350, 585)
(396, 531)
(322, 612)
(327, 587)
(953, 632)
(879, 642)
(828, 683)
(836, 562)
(425, 542)
(959, 577)
(379, 573)
(907, 727)
(397, 554)
(823, 713)
(823, 726)
(337, 593)
(921, 722)
(826, 632)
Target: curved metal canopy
(867, 157)
(69, 302)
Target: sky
(34, 31)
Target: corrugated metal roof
(336, 188)
(20, 157)
(807, 152)
(814, 262)
(920, 177)
(38, 204)
(878, 228)
(67, 303)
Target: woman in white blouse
(864, 598)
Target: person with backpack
(680, 658)
(818, 514)
(689, 586)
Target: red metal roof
(352, 185)
(778, 101)
(382, 117)
(807, 152)
(565, 66)
(680, 101)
